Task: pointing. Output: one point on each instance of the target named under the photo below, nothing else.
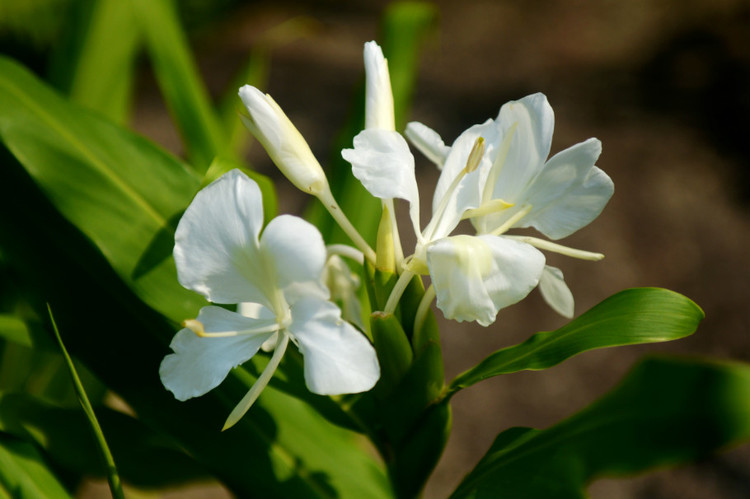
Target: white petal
(555, 292)
(282, 141)
(468, 195)
(338, 358)
(216, 242)
(378, 95)
(532, 121)
(381, 160)
(200, 364)
(295, 250)
(570, 192)
(476, 276)
(428, 142)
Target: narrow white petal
(216, 242)
(532, 121)
(570, 192)
(200, 364)
(428, 142)
(555, 292)
(338, 358)
(475, 276)
(381, 160)
(378, 95)
(297, 253)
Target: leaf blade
(633, 316)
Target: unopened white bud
(282, 141)
(378, 94)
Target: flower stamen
(512, 220)
(252, 395)
(493, 206)
(196, 326)
(559, 248)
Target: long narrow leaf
(630, 317)
(180, 82)
(96, 65)
(665, 412)
(113, 477)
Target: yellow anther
(475, 156)
(195, 326)
(487, 208)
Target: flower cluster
(495, 174)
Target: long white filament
(252, 395)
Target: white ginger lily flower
(518, 187)
(276, 280)
(495, 174)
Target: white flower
(496, 174)
(276, 278)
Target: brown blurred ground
(665, 84)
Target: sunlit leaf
(95, 63)
(24, 474)
(630, 317)
(180, 82)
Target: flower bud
(282, 141)
(378, 94)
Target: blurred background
(665, 84)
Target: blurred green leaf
(255, 72)
(144, 458)
(666, 411)
(630, 317)
(95, 64)
(180, 82)
(23, 473)
(405, 27)
(15, 329)
(119, 189)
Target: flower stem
(326, 197)
(347, 251)
(397, 291)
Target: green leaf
(113, 477)
(665, 412)
(120, 190)
(180, 82)
(255, 72)
(96, 65)
(630, 317)
(405, 27)
(23, 473)
(16, 330)
(144, 458)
